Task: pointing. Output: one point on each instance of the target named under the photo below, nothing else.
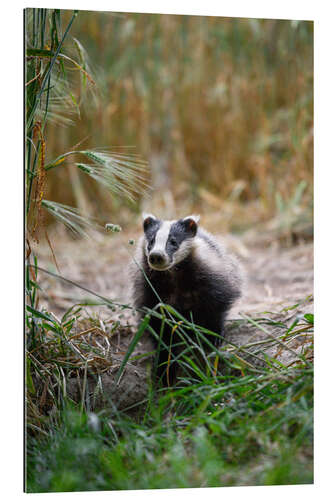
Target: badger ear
(148, 219)
(191, 223)
(195, 218)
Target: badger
(180, 264)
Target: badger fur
(188, 270)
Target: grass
(228, 435)
(54, 95)
(246, 425)
(221, 107)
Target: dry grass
(221, 108)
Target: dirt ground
(277, 278)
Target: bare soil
(279, 282)
(276, 276)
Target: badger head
(167, 243)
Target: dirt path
(277, 278)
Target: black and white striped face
(168, 242)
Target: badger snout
(158, 260)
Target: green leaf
(28, 377)
(39, 53)
(39, 314)
(132, 345)
(309, 318)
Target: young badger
(190, 271)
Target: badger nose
(156, 259)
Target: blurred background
(220, 108)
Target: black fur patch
(191, 286)
(150, 227)
(179, 231)
(192, 290)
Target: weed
(246, 424)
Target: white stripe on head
(161, 237)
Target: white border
(12, 227)
(284, 9)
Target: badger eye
(173, 242)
